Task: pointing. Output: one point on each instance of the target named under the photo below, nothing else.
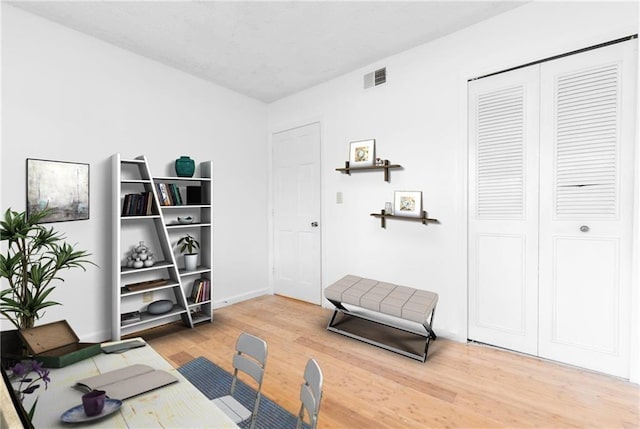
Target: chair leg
(254, 414)
(300, 417)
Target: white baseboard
(449, 335)
(97, 337)
(105, 335)
(239, 298)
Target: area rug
(214, 382)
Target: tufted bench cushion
(399, 301)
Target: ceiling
(266, 49)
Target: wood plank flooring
(460, 385)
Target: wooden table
(179, 405)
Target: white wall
(419, 120)
(66, 96)
(70, 97)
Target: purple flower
(45, 377)
(36, 366)
(21, 368)
(21, 373)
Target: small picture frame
(59, 185)
(407, 203)
(362, 153)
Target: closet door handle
(584, 228)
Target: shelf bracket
(386, 170)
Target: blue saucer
(76, 414)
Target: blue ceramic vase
(185, 166)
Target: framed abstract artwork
(61, 186)
(362, 153)
(407, 203)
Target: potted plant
(32, 262)
(187, 246)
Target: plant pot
(190, 261)
(12, 347)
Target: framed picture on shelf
(59, 185)
(407, 203)
(362, 153)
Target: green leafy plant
(188, 243)
(34, 256)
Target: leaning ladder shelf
(134, 288)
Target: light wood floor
(460, 385)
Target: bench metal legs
(428, 336)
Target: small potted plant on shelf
(187, 246)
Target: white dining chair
(250, 358)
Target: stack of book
(148, 284)
(197, 313)
(128, 318)
(169, 194)
(137, 204)
(201, 290)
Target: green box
(56, 345)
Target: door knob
(314, 224)
(584, 228)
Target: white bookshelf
(159, 230)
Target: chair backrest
(250, 358)
(310, 394)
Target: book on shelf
(172, 201)
(128, 318)
(200, 291)
(137, 204)
(163, 194)
(175, 194)
(149, 204)
(169, 194)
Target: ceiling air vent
(375, 78)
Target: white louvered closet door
(503, 211)
(550, 235)
(586, 207)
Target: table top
(179, 405)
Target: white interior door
(586, 206)
(503, 212)
(297, 255)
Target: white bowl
(185, 220)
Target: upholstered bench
(399, 302)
